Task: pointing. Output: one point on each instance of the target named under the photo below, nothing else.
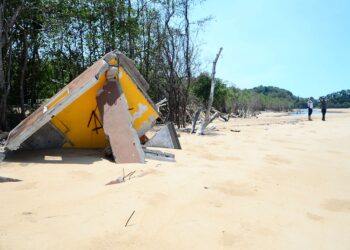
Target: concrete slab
(165, 138)
(117, 124)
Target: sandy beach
(272, 182)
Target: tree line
(44, 44)
(244, 102)
(340, 99)
(230, 99)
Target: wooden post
(206, 121)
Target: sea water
(304, 112)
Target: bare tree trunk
(23, 72)
(207, 119)
(3, 96)
(195, 119)
(130, 35)
(6, 25)
(81, 45)
(187, 61)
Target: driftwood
(215, 114)
(121, 179)
(206, 121)
(225, 117)
(126, 224)
(189, 115)
(161, 104)
(195, 119)
(213, 117)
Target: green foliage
(340, 99)
(61, 38)
(201, 90)
(259, 98)
(274, 92)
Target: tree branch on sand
(207, 118)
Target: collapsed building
(105, 106)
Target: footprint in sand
(209, 156)
(314, 217)
(236, 189)
(84, 175)
(233, 158)
(337, 205)
(29, 216)
(24, 186)
(148, 172)
(227, 239)
(274, 159)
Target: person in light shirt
(310, 106)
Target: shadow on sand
(55, 156)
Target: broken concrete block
(117, 124)
(166, 137)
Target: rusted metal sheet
(117, 124)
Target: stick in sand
(126, 224)
(130, 174)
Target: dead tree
(6, 27)
(23, 70)
(207, 119)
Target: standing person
(323, 104)
(310, 106)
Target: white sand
(280, 183)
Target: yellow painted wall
(73, 120)
(134, 97)
(136, 100)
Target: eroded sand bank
(280, 183)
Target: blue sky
(302, 46)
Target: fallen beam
(159, 155)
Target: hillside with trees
(340, 99)
(232, 99)
(261, 98)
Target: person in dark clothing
(323, 104)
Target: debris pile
(106, 106)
